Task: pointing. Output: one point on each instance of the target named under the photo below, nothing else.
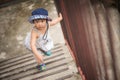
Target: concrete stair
(60, 66)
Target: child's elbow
(52, 23)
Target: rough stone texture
(59, 66)
(14, 26)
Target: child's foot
(48, 53)
(41, 67)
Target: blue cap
(39, 13)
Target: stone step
(46, 73)
(59, 66)
(25, 64)
(17, 58)
(25, 68)
(60, 75)
(27, 59)
(32, 70)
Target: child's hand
(60, 16)
(57, 20)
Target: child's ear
(46, 21)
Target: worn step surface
(59, 66)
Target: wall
(92, 30)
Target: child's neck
(42, 30)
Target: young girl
(39, 39)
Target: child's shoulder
(35, 32)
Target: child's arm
(33, 46)
(57, 20)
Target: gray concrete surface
(59, 66)
(14, 26)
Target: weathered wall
(92, 30)
(14, 26)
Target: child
(39, 39)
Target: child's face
(40, 23)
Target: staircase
(59, 66)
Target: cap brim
(31, 18)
